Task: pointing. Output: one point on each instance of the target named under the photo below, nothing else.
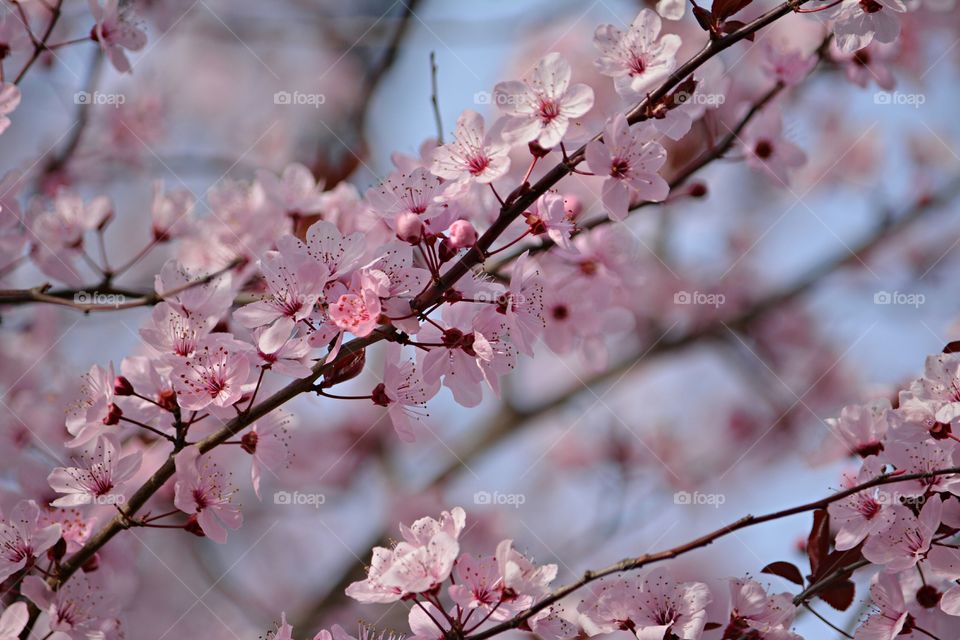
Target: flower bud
(536, 150)
(572, 206)
(192, 526)
(698, 190)
(409, 227)
(122, 386)
(462, 234)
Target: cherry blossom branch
(72, 297)
(525, 195)
(509, 419)
(634, 563)
(39, 46)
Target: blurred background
(831, 291)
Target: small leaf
(723, 9)
(345, 367)
(785, 570)
(732, 25)
(952, 347)
(818, 543)
(839, 597)
(710, 626)
(704, 18)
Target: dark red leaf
(345, 367)
(840, 597)
(704, 19)
(710, 626)
(952, 347)
(785, 570)
(818, 543)
(681, 94)
(723, 9)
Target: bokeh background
(585, 457)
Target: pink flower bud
(572, 207)
(409, 227)
(122, 386)
(462, 234)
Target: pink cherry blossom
(171, 212)
(418, 192)
(201, 489)
(96, 410)
(13, 620)
(523, 582)
(638, 59)
(268, 443)
(420, 562)
(906, 541)
(629, 159)
(753, 611)
(100, 479)
(294, 283)
(864, 513)
(59, 230)
(479, 585)
(541, 107)
(9, 99)
(551, 216)
(402, 392)
(182, 288)
(871, 64)
(768, 151)
(297, 193)
(860, 428)
(522, 305)
(116, 30)
(22, 540)
(281, 350)
(213, 374)
(857, 23)
(175, 333)
(357, 309)
(77, 610)
(789, 66)
(472, 155)
(890, 614)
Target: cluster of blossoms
(287, 282)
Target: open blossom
(116, 29)
(294, 285)
(860, 428)
(58, 233)
(185, 290)
(202, 490)
(522, 304)
(420, 562)
(96, 409)
(857, 23)
(789, 66)
(479, 585)
(863, 513)
(472, 155)
(281, 350)
(767, 150)
(267, 442)
(523, 581)
(9, 99)
(22, 539)
(651, 608)
(297, 193)
(549, 215)
(214, 374)
(754, 613)
(402, 392)
(13, 620)
(357, 309)
(638, 59)
(418, 192)
(629, 159)
(77, 610)
(100, 478)
(171, 212)
(907, 541)
(540, 107)
(890, 613)
(174, 332)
